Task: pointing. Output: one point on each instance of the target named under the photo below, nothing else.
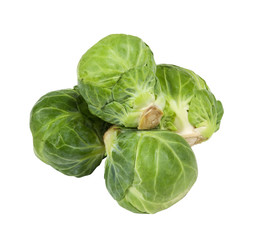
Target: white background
(228, 43)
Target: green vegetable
(65, 135)
(116, 77)
(191, 109)
(148, 171)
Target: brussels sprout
(65, 135)
(117, 79)
(191, 109)
(148, 171)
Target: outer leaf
(119, 169)
(65, 135)
(203, 112)
(220, 113)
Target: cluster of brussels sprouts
(144, 117)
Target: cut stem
(150, 117)
(192, 138)
(109, 137)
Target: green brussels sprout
(65, 134)
(148, 171)
(116, 77)
(191, 109)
